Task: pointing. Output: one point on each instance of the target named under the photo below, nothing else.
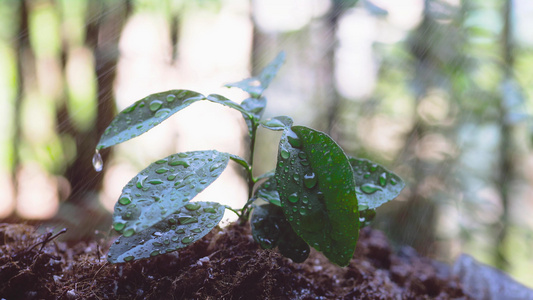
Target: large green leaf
(255, 86)
(180, 229)
(144, 114)
(270, 229)
(164, 187)
(375, 184)
(317, 192)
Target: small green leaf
(317, 192)
(255, 86)
(164, 187)
(227, 102)
(144, 114)
(271, 229)
(277, 123)
(375, 184)
(241, 161)
(180, 229)
(268, 191)
(256, 107)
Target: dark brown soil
(226, 264)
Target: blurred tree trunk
(25, 59)
(506, 146)
(328, 68)
(103, 28)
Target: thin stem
(233, 210)
(245, 212)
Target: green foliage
(312, 196)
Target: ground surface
(226, 264)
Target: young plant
(317, 196)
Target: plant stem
(245, 212)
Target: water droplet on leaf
(155, 105)
(128, 232)
(310, 180)
(187, 220)
(285, 154)
(293, 198)
(171, 98)
(187, 240)
(383, 179)
(119, 226)
(161, 171)
(369, 188)
(162, 113)
(192, 206)
(124, 200)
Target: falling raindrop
(98, 162)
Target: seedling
(317, 196)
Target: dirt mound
(226, 264)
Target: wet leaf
(270, 229)
(164, 187)
(256, 107)
(180, 229)
(317, 192)
(268, 191)
(241, 161)
(277, 123)
(375, 184)
(227, 102)
(255, 86)
(144, 114)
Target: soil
(225, 264)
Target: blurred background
(438, 91)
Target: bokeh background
(439, 91)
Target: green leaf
(255, 86)
(375, 184)
(270, 229)
(317, 192)
(277, 123)
(144, 114)
(268, 191)
(256, 107)
(227, 102)
(241, 161)
(164, 187)
(180, 229)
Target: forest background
(439, 91)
